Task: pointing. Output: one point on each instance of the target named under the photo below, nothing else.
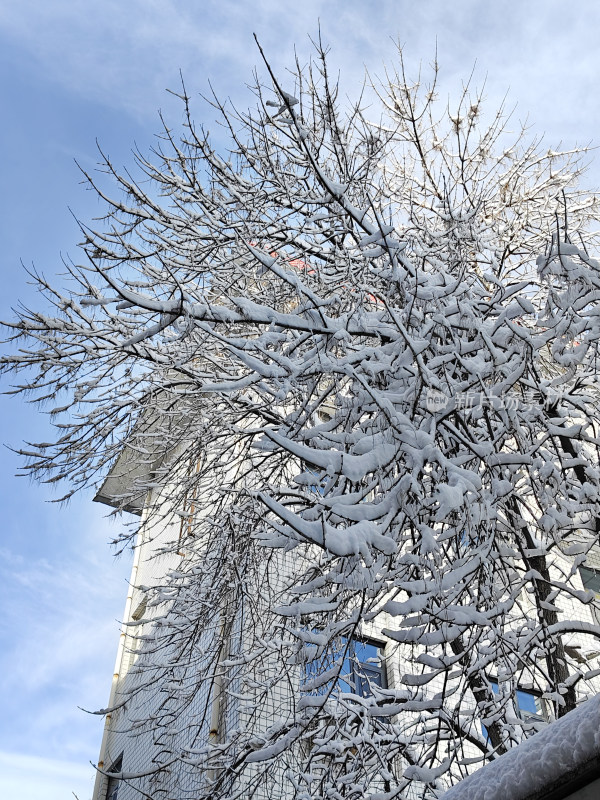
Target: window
(314, 478)
(363, 667)
(112, 791)
(528, 705)
(591, 581)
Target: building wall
(143, 751)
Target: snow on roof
(565, 752)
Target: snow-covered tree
(354, 356)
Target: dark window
(112, 791)
(362, 667)
(591, 581)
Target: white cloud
(126, 54)
(24, 777)
(59, 638)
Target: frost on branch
(349, 366)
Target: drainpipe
(218, 690)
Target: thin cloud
(59, 638)
(45, 777)
(124, 55)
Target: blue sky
(73, 71)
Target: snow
(543, 762)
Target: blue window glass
(362, 668)
(591, 581)
(113, 789)
(318, 487)
(529, 706)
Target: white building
(159, 761)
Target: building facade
(153, 745)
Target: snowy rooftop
(555, 762)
